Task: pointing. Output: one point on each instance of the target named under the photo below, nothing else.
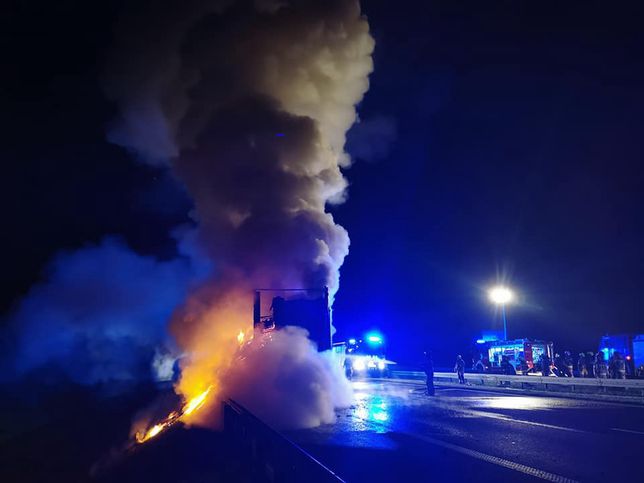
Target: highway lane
(394, 432)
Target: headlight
(358, 365)
(381, 365)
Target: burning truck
(248, 106)
(273, 309)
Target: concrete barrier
(630, 388)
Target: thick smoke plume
(248, 103)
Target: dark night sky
(517, 158)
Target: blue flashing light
(352, 341)
(481, 341)
(279, 135)
(374, 338)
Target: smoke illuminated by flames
(248, 105)
(189, 408)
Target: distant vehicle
(630, 346)
(364, 357)
(528, 350)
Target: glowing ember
(191, 406)
(240, 337)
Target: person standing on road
(545, 365)
(459, 369)
(348, 368)
(619, 366)
(612, 369)
(590, 364)
(601, 370)
(567, 359)
(640, 371)
(428, 367)
(558, 369)
(479, 366)
(507, 367)
(581, 365)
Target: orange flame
(191, 406)
(196, 402)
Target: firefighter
(581, 365)
(558, 368)
(567, 361)
(545, 365)
(428, 367)
(508, 369)
(601, 370)
(459, 368)
(348, 368)
(619, 366)
(523, 366)
(612, 369)
(479, 366)
(590, 364)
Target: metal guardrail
(577, 385)
(271, 456)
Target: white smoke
(281, 378)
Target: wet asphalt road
(394, 432)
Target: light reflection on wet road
(394, 432)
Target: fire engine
(364, 357)
(529, 350)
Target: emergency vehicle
(631, 347)
(364, 357)
(529, 350)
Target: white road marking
(528, 470)
(503, 417)
(478, 391)
(627, 430)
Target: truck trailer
(306, 308)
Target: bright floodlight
(500, 295)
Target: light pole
(501, 295)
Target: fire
(191, 406)
(196, 402)
(152, 432)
